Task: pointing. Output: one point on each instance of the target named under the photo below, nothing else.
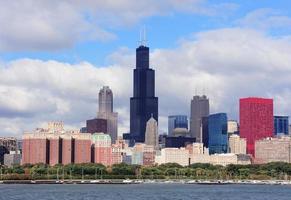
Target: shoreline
(149, 181)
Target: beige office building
(237, 145)
(173, 155)
(273, 150)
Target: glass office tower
(281, 125)
(217, 133)
(177, 121)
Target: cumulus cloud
(226, 64)
(28, 25)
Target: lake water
(145, 191)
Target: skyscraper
(105, 100)
(199, 109)
(281, 125)
(217, 133)
(143, 104)
(176, 121)
(151, 134)
(256, 120)
(106, 111)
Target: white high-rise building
(106, 112)
(151, 134)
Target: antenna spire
(142, 36)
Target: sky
(56, 55)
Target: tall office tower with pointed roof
(199, 109)
(106, 111)
(143, 104)
(151, 134)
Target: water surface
(145, 192)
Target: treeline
(40, 171)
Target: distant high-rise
(106, 111)
(199, 109)
(143, 104)
(105, 100)
(281, 125)
(256, 120)
(217, 133)
(151, 134)
(176, 121)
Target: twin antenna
(142, 37)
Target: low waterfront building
(82, 147)
(143, 154)
(116, 154)
(55, 145)
(173, 155)
(102, 148)
(201, 154)
(273, 150)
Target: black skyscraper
(143, 104)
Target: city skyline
(226, 50)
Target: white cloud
(266, 19)
(28, 25)
(226, 63)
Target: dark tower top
(142, 57)
(143, 104)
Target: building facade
(96, 126)
(52, 146)
(144, 103)
(281, 125)
(102, 148)
(177, 121)
(237, 145)
(82, 148)
(13, 158)
(200, 154)
(217, 133)
(199, 109)
(173, 155)
(256, 120)
(178, 142)
(273, 150)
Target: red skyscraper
(256, 120)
